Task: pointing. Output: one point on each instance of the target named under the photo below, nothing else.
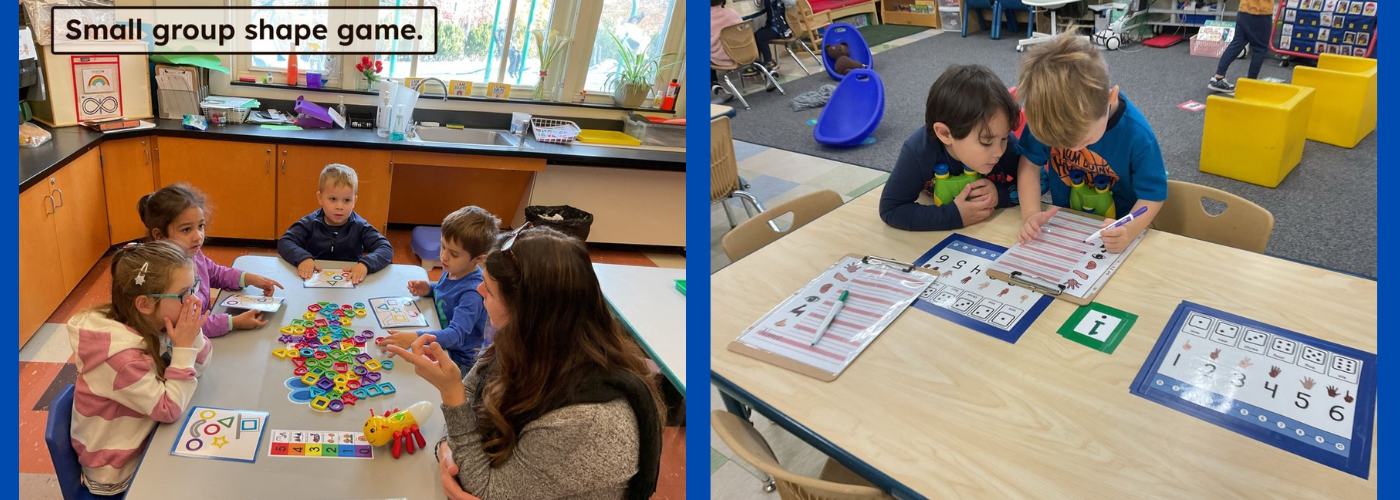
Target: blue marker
(1126, 219)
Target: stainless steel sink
(476, 137)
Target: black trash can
(566, 219)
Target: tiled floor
(776, 176)
(45, 366)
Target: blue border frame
(1010, 336)
(267, 416)
(426, 323)
(1357, 464)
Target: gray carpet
(1323, 210)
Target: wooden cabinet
(237, 177)
(63, 221)
(497, 184)
(82, 216)
(128, 173)
(38, 259)
(299, 173)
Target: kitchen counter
(69, 143)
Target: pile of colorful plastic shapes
(330, 357)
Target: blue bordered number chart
(221, 434)
(965, 295)
(1310, 397)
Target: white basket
(554, 131)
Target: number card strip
(991, 307)
(1313, 398)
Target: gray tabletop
(647, 302)
(244, 375)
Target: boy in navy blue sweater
(968, 120)
(467, 236)
(335, 232)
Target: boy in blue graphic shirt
(467, 236)
(1102, 156)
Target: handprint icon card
(965, 295)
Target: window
(283, 48)
(641, 25)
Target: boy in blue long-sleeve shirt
(467, 236)
(336, 232)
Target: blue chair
(844, 32)
(58, 435)
(974, 8)
(853, 112)
(1009, 7)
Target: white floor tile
(49, 344)
(39, 487)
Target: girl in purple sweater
(176, 213)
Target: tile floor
(776, 176)
(45, 367)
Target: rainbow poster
(98, 80)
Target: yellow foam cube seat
(1344, 102)
(1258, 136)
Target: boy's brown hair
(336, 174)
(1064, 88)
(472, 228)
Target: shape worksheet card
(330, 278)
(1307, 396)
(965, 295)
(319, 444)
(253, 302)
(878, 294)
(397, 312)
(221, 434)
(1060, 256)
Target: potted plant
(634, 74)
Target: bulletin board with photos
(1309, 28)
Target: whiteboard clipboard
(1059, 263)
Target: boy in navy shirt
(467, 236)
(335, 232)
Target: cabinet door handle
(284, 162)
(268, 168)
(60, 198)
(53, 208)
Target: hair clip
(141, 275)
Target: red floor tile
(619, 257)
(34, 379)
(94, 289)
(671, 484)
(33, 453)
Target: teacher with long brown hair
(561, 404)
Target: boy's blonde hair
(1063, 89)
(472, 228)
(336, 174)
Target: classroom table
(243, 374)
(718, 110)
(647, 303)
(932, 409)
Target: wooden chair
(1243, 224)
(739, 43)
(801, 25)
(725, 182)
(834, 483)
(760, 230)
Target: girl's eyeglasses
(510, 242)
(178, 296)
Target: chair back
(1243, 225)
(755, 233)
(739, 43)
(58, 435)
(751, 447)
(724, 167)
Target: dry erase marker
(835, 309)
(1126, 219)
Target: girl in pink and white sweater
(137, 361)
(176, 213)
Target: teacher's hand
(432, 364)
(454, 491)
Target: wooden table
(647, 303)
(932, 409)
(718, 110)
(243, 375)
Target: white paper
(26, 45)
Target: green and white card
(1098, 326)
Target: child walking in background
(467, 235)
(335, 231)
(175, 213)
(1252, 26)
(137, 360)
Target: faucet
(426, 80)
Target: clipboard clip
(1036, 284)
(902, 266)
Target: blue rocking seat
(844, 32)
(853, 112)
(58, 436)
